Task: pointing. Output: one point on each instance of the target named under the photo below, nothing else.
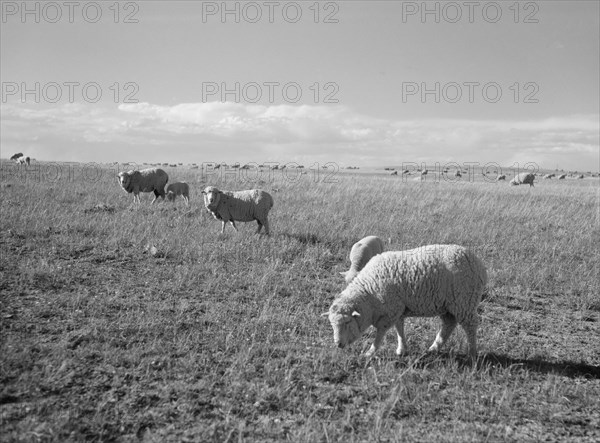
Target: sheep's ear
(355, 314)
(325, 314)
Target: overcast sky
(366, 83)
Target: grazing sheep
(394, 173)
(179, 188)
(501, 177)
(443, 280)
(20, 159)
(522, 179)
(562, 176)
(424, 172)
(228, 206)
(580, 176)
(362, 251)
(457, 174)
(549, 176)
(146, 180)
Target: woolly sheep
(501, 177)
(362, 251)
(179, 188)
(457, 174)
(562, 176)
(228, 206)
(443, 280)
(145, 180)
(523, 178)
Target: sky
(358, 83)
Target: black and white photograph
(303, 221)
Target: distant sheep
(562, 176)
(549, 176)
(443, 280)
(20, 159)
(394, 173)
(457, 174)
(145, 180)
(245, 206)
(501, 177)
(580, 176)
(179, 188)
(362, 251)
(524, 178)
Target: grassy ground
(219, 338)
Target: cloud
(319, 133)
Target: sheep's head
(346, 326)
(211, 197)
(125, 179)
(170, 196)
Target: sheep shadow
(567, 368)
(491, 362)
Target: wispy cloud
(239, 132)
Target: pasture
(218, 337)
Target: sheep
(562, 176)
(145, 180)
(457, 174)
(228, 206)
(20, 159)
(549, 176)
(522, 179)
(443, 280)
(180, 188)
(362, 251)
(501, 177)
(580, 176)
(394, 173)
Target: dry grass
(218, 337)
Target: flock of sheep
(383, 288)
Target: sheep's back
(427, 280)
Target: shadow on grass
(490, 362)
(304, 238)
(567, 368)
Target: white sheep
(501, 177)
(249, 205)
(179, 188)
(522, 179)
(145, 180)
(443, 280)
(562, 176)
(362, 251)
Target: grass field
(218, 337)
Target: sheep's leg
(379, 336)
(266, 223)
(402, 346)
(223, 223)
(448, 325)
(260, 225)
(232, 223)
(470, 327)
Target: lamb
(145, 180)
(522, 179)
(179, 188)
(362, 251)
(443, 280)
(228, 206)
